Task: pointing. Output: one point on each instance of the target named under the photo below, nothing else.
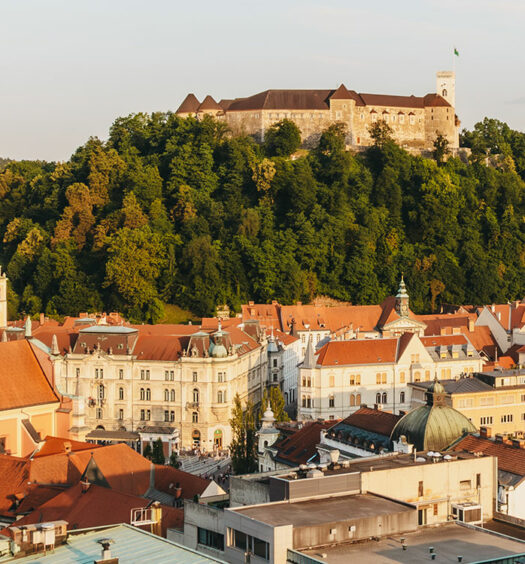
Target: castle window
(374, 117)
(338, 115)
(444, 93)
(412, 119)
(401, 118)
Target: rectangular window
(507, 418)
(487, 420)
(147, 374)
(194, 376)
(166, 375)
(172, 416)
(142, 374)
(478, 480)
(166, 416)
(121, 414)
(247, 543)
(210, 538)
(465, 485)
(121, 374)
(148, 415)
(78, 372)
(436, 506)
(142, 415)
(172, 375)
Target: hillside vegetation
(176, 211)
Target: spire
(309, 355)
(27, 327)
(402, 299)
(54, 346)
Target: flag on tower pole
(456, 52)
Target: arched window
(352, 400)
(384, 398)
(101, 392)
(166, 395)
(358, 399)
(148, 393)
(219, 396)
(444, 93)
(195, 417)
(402, 397)
(172, 395)
(378, 397)
(195, 395)
(121, 393)
(142, 394)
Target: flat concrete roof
(449, 542)
(387, 462)
(320, 511)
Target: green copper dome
(433, 426)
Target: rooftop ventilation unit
(467, 513)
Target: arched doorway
(196, 438)
(217, 439)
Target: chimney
(498, 438)
(485, 432)
(471, 325)
(493, 308)
(518, 443)
(106, 552)
(42, 319)
(85, 486)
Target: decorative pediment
(404, 323)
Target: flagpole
(454, 60)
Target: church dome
(433, 426)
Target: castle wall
(440, 120)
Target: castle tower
(3, 299)
(402, 299)
(446, 86)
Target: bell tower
(402, 300)
(446, 86)
(3, 299)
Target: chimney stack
(106, 552)
(485, 432)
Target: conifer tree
(243, 447)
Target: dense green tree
(275, 398)
(282, 139)
(157, 454)
(243, 447)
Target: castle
(415, 120)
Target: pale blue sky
(68, 68)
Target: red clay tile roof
(22, 380)
(57, 445)
(341, 94)
(393, 101)
(14, 475)
(285, 338)
(209, 104)
(189, 105)
(301, 446)
(36, 496)
(283, 100)
(358, 352)
(160, 347)
(96, 507)
(375, 420)
(66, 337)
(167, 478)
(435, 100)
(268, 315)
(510, 316)
(444, 340)
(510, 459)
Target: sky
(69, 68)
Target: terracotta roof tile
(57, 445)
(299, 447)
(14, 475)
(510, 459)
(22, 380)
(36, 496)
(358, 352)
(167, 478)
(374, 420)
(189, 105)
(96, 507)
(159, 347)
(209, 104)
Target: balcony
(192, 405)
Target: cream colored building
(414, 120)
(164, 380)
(343, 375)
(495, 400)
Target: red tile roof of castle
(374, 420)
(189, 105)
(299, 447)
(22, 379)
(510, 459)
(209, 104)
(358, 352)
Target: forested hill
(173, 210)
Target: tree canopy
(178, 211)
